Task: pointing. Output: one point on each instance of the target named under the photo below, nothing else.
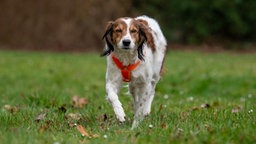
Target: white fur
(144, 77)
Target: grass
(202, 98)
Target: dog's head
(127, 34)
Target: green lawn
(202, 98)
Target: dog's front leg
(112, 91)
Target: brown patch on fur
(147, 30)
(143, 22)
(108, 28)
(134, 31)
(119, 30)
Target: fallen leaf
(205, 105)
(43, 128)
(74, 116)
(95, 136)
(163, 125)
(237, 109)
(63, 109)
(11, 109)
(40, 117)
(82, 130)
(79, 102)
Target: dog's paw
(122, 122)
(146, 112)
(137, 119)
(135, 124)
(120, 115)
(146, 115)
(121, 119)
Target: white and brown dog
(135, 49)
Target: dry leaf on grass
(47, 125)
(43, 128)
(206, 105)
(74, 116)
(79, 102)
(40, 117)
(82, 130)
(95, 136)
(63, 109)
(163, 125)
(11, 109)
(237, 109)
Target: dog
(135, 50)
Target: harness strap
(125, 70)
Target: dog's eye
(134, 31)
(118, 30)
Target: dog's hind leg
(151, 91)
(141, 97)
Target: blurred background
(78, 25)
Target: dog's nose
(126, 42)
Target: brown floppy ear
(109, 30)
(142, 40)
(145, 36)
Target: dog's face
(126, 34)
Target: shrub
(196, 21)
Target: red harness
(125, 70)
